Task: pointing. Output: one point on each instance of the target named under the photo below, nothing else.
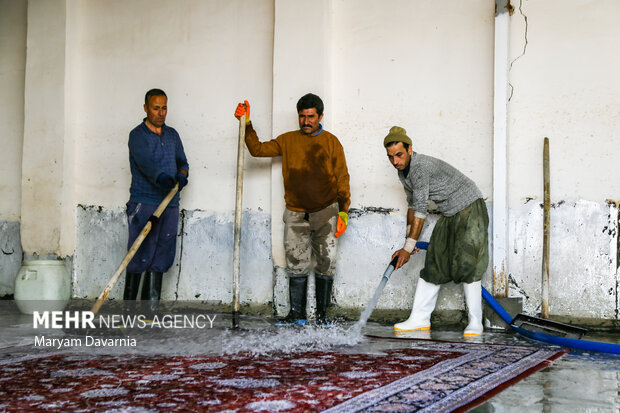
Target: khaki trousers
(311, 234)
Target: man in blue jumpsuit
(157, 162)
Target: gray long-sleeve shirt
(433, 179)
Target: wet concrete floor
(577, 382)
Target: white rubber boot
(423, 305)
(473, 299)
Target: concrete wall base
(583, 262)
(10, 256)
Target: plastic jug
(42, 285)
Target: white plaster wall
(565, 84)
(47, 204)
(206, 270)
(101, 245)
(12, 73)
(12, 68)
(202, 269)
(207, 56)
(10, 256)
(582, 258)
(425, 66)
(302, 63)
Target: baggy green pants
(459, 247)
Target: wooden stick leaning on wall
(546, 232)
(237, 229)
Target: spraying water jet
(357, 327)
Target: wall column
(12, 69)
(302, 63)
(46, 186)
(500, 153)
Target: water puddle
(289, 339)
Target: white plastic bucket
(42, 285)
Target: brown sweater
(313, 167)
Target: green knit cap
(397, 134)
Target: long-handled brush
(237, 229)
(130, 253)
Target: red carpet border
(423, 376)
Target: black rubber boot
(323, 299)
(297, 289)
(151, 292)
(132, 283)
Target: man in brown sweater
(317, 197)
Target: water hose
(547, 338)
(578, 344)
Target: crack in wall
(524, 48)
(512, 281)
(182, 233)
(357, 212)
(617, 310)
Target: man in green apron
(459, 249)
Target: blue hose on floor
(559, 341)
(586, 345)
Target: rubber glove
(181, 179)
(165, 181)
(341, 224)
(243, 108)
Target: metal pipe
(500, 142)
(237, 230)
(546, 229)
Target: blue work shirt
(150, 155)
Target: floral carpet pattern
(422, 375)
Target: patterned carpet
(408, 375)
